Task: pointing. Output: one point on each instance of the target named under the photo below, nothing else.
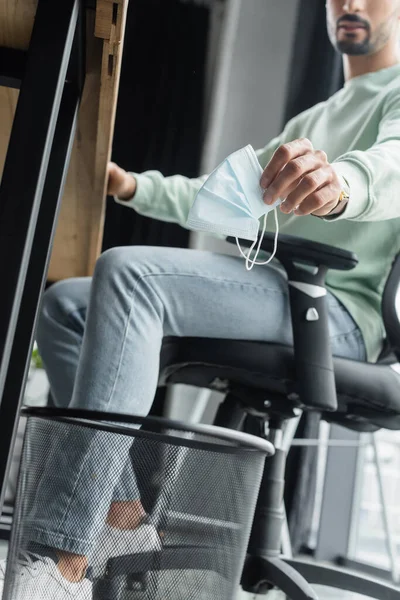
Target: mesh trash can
(182, 502)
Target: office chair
(266, 384)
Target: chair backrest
(389, 308)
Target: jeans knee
(110, 261)
(118, 258)
(60, 301)
(52, 302)
(125, 272)
(120, 265)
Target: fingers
(282, 156)
(293, 172)
(308, 189)
(113, 169)
(321, 203)
(116, 177)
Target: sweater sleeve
(374, 175)
(163, 198)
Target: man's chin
(353, 48)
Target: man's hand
(120, 183)
(303, 178)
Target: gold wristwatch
(344, 197)
(344, 194)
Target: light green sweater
(359, 129)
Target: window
(368, 540)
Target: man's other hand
(120, 183)
(303, 178)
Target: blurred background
(200, 79)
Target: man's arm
(311, 185)
(163, 198)
(374, 175)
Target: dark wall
(160, 108)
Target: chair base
(345, 580)
(261, 575)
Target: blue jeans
(100, 342)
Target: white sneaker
(37, 578)
(116, 542)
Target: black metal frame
(12, 67)
(39, 150)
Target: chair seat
(368, 394)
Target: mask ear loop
(251, 262)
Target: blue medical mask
(230, 203)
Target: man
(337, 166)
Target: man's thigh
(203, 294)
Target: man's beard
(355, 48)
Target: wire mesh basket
(157, 510)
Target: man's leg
(59, 336)
(139, 295)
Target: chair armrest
(291, 248)
(309, 313)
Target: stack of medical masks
(230, 203)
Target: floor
(324, 594)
